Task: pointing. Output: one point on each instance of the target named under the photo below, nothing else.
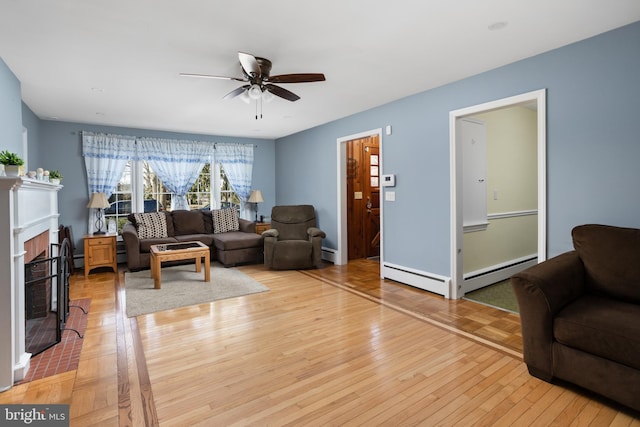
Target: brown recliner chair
(580, 313)
(294, 241)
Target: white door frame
(342, 253)
(456, 255)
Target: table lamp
(98, 201)
(255, 198)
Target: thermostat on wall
(389, 180)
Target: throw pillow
(188, 222)
(151, 225)
(225, 220)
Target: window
(228, 197)
(120, 200)
(199, 196)
(156, 196)
(139, 178)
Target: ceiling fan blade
(208, 76)
(282, 92)
(236, 92)
(249, 64)
(297, 78)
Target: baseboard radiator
(329, 254)
(419, 279)
(499, 272)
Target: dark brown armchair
(294, 241)
(580, 313)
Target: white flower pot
(12, 170)
(55, 181)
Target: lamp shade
(255, 197)
(267, 96)
(98, 201)
(255, 92)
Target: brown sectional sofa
(580, 313)
(229, 248)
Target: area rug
(499, 295)
(182, 286)
(64, 356)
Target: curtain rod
(152, 137)
(232, 143)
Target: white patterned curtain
(177, 164)
(105, 157)
(237, 161)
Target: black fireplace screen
(46, 298)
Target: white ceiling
(117, 62)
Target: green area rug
(499, 295)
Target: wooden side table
(262, 226)
(99, 251)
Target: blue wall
(593, 88)
(32, 123)
(10, 114)
(60, 147)
(593, 149)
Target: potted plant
(55, 177)
(12, 163)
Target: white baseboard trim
(497, 273)
(21, 367)
(329, 254)
(419, 279)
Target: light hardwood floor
(334, 346)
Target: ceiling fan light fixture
(255, 92)
(244, 96)
(267, 96)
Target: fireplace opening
(46, 298)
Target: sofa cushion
(293, 222)
(208, 221)
(188, 222)
(233, 240)
(611, 257)
(225, 220)
(152, 225)
(292, 254)
(206, 239)
(602, 326)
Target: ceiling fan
(255, 72)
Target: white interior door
(473, 141)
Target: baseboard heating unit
(497, 273)
(329, 254)
(419, 279)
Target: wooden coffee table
(179, 251)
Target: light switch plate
(390, 196)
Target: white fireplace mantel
(28, 207)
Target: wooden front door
(363, 197)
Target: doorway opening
(461, 245)
(360, 225)
(363, 198)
